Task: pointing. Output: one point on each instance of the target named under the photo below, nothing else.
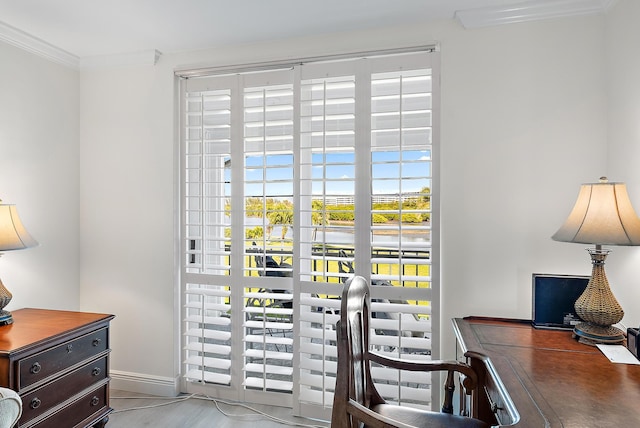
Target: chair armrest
(469, 382)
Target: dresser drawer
(38, 367)
(88, 409)
(45, 398)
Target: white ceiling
(88, 28)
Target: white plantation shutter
(268, 177)
(327, 158)
(293, 181)
(365, 139)
(207, 334)
(207, 149)
(206, 301)
(401, 171)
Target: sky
(392, 172)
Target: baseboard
(144, 384)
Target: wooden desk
(543, 378)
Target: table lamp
(13, 236)
(602, 215)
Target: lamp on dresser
(602, 215)
(13, 236)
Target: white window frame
(363, 216)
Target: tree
(426, 195)
(280, 213)
(318, 216)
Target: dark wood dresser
(58, 361)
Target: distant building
(377, 199)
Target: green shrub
(379, 218)
(411, 218)
(256, 232)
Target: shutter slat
(253, 382)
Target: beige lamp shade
(602, 215)
(13, 235)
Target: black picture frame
(554, 297)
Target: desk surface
(551, 379)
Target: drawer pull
(69, 348)
(95, 401)
(35, 403)
(96, 342)
(35, 368)
(96, 371)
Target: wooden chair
(356, 400)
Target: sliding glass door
(293, 180)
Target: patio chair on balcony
(266, 310)
(345, 266)
(268, 267)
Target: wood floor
(195, 413)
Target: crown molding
(531, 11)
(471, 18)
(34, 45)
(147, 57)
(27, 42)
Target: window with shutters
(293, 180)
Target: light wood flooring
(195, 413)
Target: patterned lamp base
(5, 318)
(5, 298)
(592, 334)
(598, 307)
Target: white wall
(623, 84)
(523, 124)
(126, 217)
(39, 174)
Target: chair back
(353, 345)
(356, 400)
